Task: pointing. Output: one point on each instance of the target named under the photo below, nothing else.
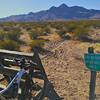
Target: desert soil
(66, 69)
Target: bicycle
(30, 82)
(30, 70)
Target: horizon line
(46, 9)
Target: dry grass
(51, 37)
(85, 46)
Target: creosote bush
(9, 45)
(38, 43)
(80, 33)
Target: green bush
(33, 34)
(80, 33)
(38, 43)
(13, 35)
(2, 34)
(9, 45)
(71, 26)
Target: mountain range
(63, 12)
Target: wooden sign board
(92, 61)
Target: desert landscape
(62, 45)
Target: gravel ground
(67, 72)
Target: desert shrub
(71, 26)
(36, 32)
(39, 30)
(61, 33)
(80, 33)
(2, 34)
(13, 34)
(33, 34)
(9, 39)
(9, 45)
(6, 26)
(46, 31)
(38, 43)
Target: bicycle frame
(16, 80)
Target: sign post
(92, 79)
(92, 62)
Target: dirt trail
(25, 36)
(26, 39)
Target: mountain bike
(30, 90)
(29, 82)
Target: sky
(15, 7)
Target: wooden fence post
(92, 80)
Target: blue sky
(14, 7)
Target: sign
(92, 61)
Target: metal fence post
(92, 79)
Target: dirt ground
(67, 72)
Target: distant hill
(63, 12)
